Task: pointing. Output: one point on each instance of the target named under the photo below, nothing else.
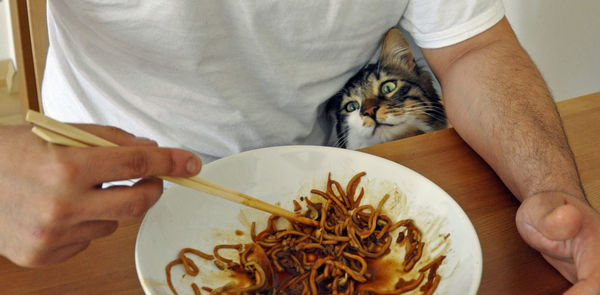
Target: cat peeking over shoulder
(388, 100)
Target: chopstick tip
(306, 220)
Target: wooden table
(510, 266)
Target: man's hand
(567, 233)
(52, 204)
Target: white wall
(563, 39)
(6, 39)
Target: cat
(390, 99)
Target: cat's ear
(396, 51)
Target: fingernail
(192, 165)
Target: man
(221, 77)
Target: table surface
(509, 265)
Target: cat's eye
(351, 106)
(388, 86)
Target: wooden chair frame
(30, 33)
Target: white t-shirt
(223, 76)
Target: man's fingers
(539, 223)
(55, 245)
(91, 230)
(104, 164)
(116, 135)
(565, 266)
(123, 202)
(552, 217)
(60, 254)
(585, 287)
(134, 158)
(565, 230)
(83, 231)
(562, 223)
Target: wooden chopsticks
(63, 134)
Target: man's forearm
(498, 102)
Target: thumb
(584, 286)
(546, 218)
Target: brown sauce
(385, 272)
(387, 275)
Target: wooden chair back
(30, 34)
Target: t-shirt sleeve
(439, 23)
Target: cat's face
(385, 101)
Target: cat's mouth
(380, 124)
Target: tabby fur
(390, 99)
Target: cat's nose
(370, 111)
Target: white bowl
(187, 218)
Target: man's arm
(498, 102)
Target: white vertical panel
(563, 38)
(6, 38)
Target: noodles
(332, 258)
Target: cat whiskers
(342, 140)
(436, 109)
(434, 112)
(341, 143)
(396, 110)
